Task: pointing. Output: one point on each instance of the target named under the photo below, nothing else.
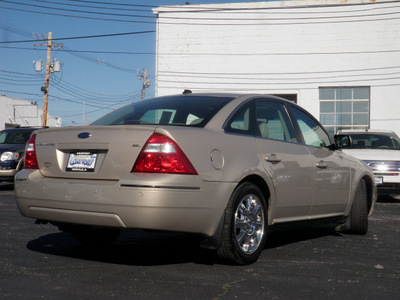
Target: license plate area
(378, 180)
(81, 161)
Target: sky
(106, 45)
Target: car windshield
(173, 110)
(14, 136)
(374, 141)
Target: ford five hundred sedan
(227, 167)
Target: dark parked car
(12, 148)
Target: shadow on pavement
(6, 186)
(146, 248)
(388, 199)
(134, 247)
(282, 238)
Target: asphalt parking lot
(40, 262)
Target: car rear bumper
(7, 174)
(169, 202)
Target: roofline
(233, 95)
(264, 5)
(365, 131)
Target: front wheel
(245, 225)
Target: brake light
(161, 154)
(30, 154)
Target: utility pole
(146, 82)
(50, 67)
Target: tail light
(30, 154)
(161, 154)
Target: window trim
(336, 126)
(288, 118)
(251, 131)
(301, 140)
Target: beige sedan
(227, 167)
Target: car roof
(366, 131)
(21, 129)
(233, 95)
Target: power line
(277, 53)
(209, 53)
(195, 8)
(19, 92)
(85, 37)
(286, 78)
(19, 73)
(100, 62)
(73, 52)
(305, 81)
(254, 89)
(265, 10)
(91, 98)
(271, 21)
(93, 95)
(276, 73)
(112, 3)
(83, 51)
(78, 11)
(190, 18)
(78, 17)
(96, 7)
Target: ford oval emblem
(84, 135)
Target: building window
(290, 97)
(344, 108)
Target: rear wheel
(245, 225)
(359, 211)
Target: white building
(18, 112)
(339, 59)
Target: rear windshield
(174, 110)
(374, 141)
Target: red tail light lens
(161, 154)
(30, 154)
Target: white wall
(284, 47)
(18, 112)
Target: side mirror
(343, 141)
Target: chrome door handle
(273, 158)
(321, 164)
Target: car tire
(93, 236)
(359, 211)
(245, 226)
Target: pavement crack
(228, 285)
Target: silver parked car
(380, 150)
(227, 167)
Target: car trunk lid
(94, 152)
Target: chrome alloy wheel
(249, 224)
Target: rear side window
(241, 121)
(273, 122)
(175, 110)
